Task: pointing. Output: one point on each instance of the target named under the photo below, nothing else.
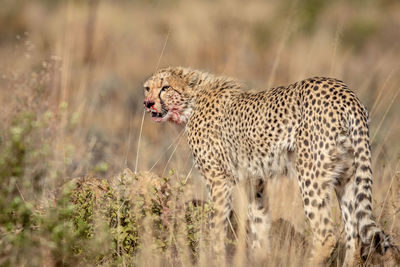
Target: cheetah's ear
(192, 79)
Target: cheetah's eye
(164, 88)
(147, 88)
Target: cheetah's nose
(148, 104)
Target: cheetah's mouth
(157, 114)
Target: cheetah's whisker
(172, 143)
(170, 157)
(138, 145)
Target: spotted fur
(315, 128)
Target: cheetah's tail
(372, 238)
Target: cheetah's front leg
(259, 220)
(220, 192)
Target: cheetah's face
(165, 98)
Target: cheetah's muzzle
(157, 115)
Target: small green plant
(134, 206)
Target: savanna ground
(71, 106)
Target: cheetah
(317, 128)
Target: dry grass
(76, 69)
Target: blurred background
(71, 75)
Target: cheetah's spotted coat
(317, 125)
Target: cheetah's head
(167, 96)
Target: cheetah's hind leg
(343, 157)
(316, 180)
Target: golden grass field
(71, 101)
